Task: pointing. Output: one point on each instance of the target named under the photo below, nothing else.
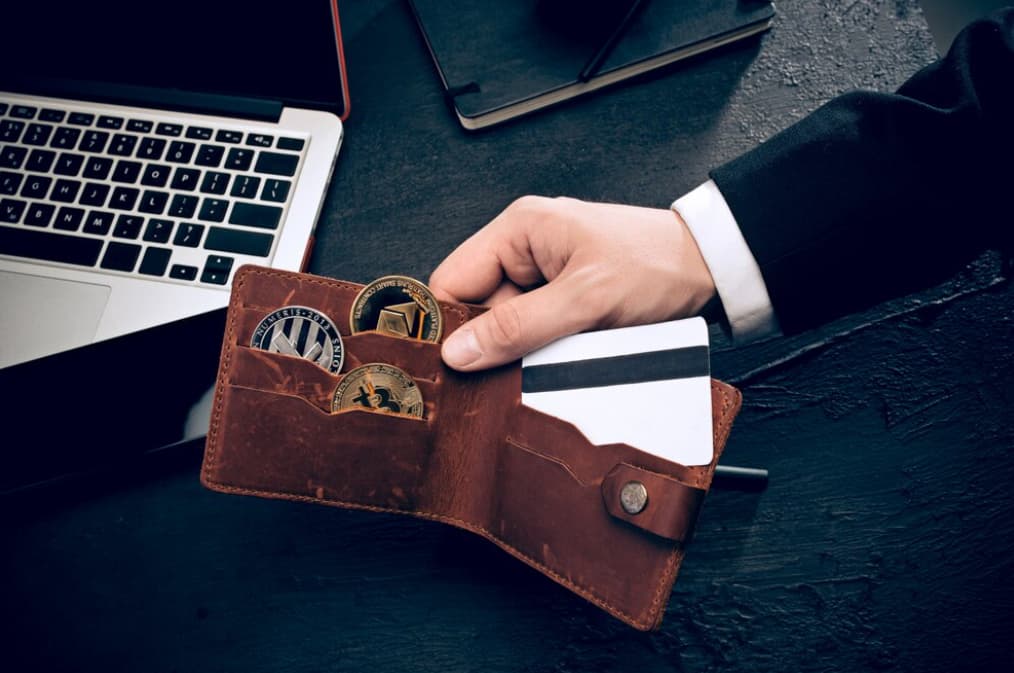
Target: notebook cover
(494, 55)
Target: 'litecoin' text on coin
(379, 387)
(304, 333)
(397, 306)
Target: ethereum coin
(303, 333)
(378, 387)
(397, 306)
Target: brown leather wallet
(479, 460)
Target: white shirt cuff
(737, 276)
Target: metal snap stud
(633, 497)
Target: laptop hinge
(176, 100)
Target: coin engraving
(397, 306)
(378, 387)
(301, 332)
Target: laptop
(146, 153)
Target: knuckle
(503, 326)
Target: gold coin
(397, 306)
(378, 387)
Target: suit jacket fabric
(875, 195)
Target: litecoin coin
(304, 333)
(378, 387)
(397, 306)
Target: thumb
(517, 326)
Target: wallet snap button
(633, 497)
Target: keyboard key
(213, 210)
(50, 247)
(224, 136)
(37, 134)
(39, 215)
(185, 179)
(151, 149)
(123, 198)
(126, 171)
(259, 140)
(294, 144)
(155, 176)
(239, 159)
(36, 186)
(215, 182)
(182, 206)
(180, 152)
(3, 108)
(50, 115)
(120, 256)
(245, 186)
(241, 242)
(199, 133)
(94, 194)
(123, 145)
(216, 270)
(94, 141)
(128, 226)
(98, 222)
(9, 182)
(69, 219)
(97, 168)
(65, 138)
(189, 235)
(158, 231)
(40, 161)
(164, 129)
(139, 126)
(183, 272)
(153, 202)
(81, 119)
(108, 122)
(12, 156)
(68, 164)
(10, 130)
(210, 155)
(23, 112)
(65, 190)
(155, 261)
(276, 190)
(254, 215)
(11, 210)
(277, 164)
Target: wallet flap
(651, 501)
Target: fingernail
(461, 348)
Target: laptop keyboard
(139, 196)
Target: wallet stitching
(552, 459)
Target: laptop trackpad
(40, 316)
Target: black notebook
(499, 59)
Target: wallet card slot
(286, 374)
(421, 359)
(279, 445)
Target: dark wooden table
(883, 541)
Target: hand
(552, 267)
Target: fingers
(517, 325)
(503, 249)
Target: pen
(595, 62)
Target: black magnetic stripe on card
(677, 363)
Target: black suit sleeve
(875, 195)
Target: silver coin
(303, 333)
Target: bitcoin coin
(397, 306)
(378, 387)
(301, 332)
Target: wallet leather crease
(478, 460)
